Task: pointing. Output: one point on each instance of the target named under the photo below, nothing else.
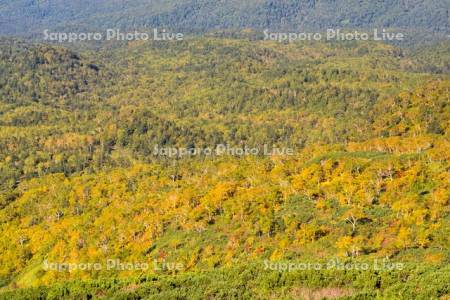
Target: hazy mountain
(25, 16)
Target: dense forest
(22, 17)
(80, 181)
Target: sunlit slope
(80, 183)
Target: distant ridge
(23, 17)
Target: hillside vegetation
(80, 182)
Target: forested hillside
(67, 112)
(80, 182)
(28, 16)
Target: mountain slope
(109, 108)
(80, 182)
(27, 16)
